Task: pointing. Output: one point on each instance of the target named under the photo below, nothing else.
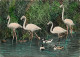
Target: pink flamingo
(30, 27)
(56, 30)
(13, 26)
(68, 22)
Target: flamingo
(56, 30)
(69, 23)
(30, 27)
(13, 26)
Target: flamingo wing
(14, 25)
(68, 22)
(32, 27)
(58, 30)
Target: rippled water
(31, 49)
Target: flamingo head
(61, 6)
(8, 17)
(49, 23)
(23, 17)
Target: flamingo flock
(32, 27)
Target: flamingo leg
(31, 35)
(59, 38)
(30, 32)
(37, 36)
(67, 31)
(71, 31)
(16, 37)
(13, 35)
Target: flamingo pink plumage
(13, 26)
(68, 22)
(56, 30)
(30, 27)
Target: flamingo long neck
(8, 22)
(51, 28)
(24, 24)
(63, 14)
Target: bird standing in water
(13, 26)
(56, 30)
(69, 23)
(30, 27)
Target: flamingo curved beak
(21, 18)
(8, 17)
(61, 6)
(47, 23)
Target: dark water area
(31, 48)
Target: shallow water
(31, 49)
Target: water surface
(31, 49)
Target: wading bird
(56, 30)
(13, 26)
(30, 27)
(69, 23)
